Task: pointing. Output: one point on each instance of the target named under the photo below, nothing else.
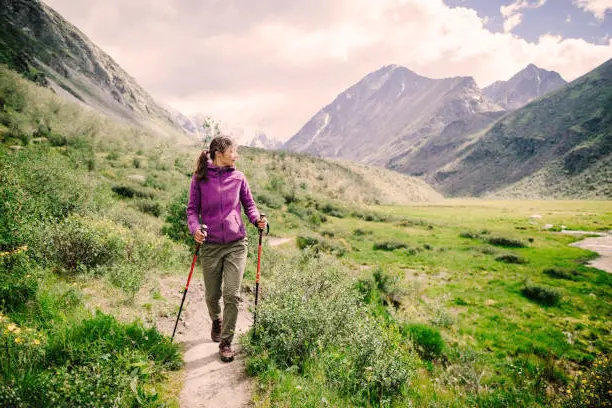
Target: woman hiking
(216, 195)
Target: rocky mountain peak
(526, 85)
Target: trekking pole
(195, 257)
(258, 270)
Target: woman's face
(228, 157)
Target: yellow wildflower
(36, 342)
(18, 340)
(11, 327)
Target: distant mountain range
(556, 146)
(44, 47)
(203, 126)
(527, 85)
(433, 128)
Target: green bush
(319, 244)
(541, 294)
(37, 185)
(152, 207)
(569, 274)
(427, 340)
(591, 389)
(271, 200)
(307, 241)
(314, 315)
(312, 307)
(131, 192)
(79, 244)
(388, 246)
(382, 289)
(358, 232)
(372, 365)
(18, 281)
(332, 210)
(175, 226)
(469, 234)
(511, 259)
(96, 362)
(506, 242)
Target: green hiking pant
(223, 266)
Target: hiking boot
(226, 352)
(215, 332)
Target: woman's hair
(218, 144)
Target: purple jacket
(216, 203)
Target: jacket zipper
(222, 208)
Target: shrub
(382, 289)
(313, 314)
(18, 282)
(130, 192)
(469, 234)
(332, 210)
(569, 274)
(175, 226)
(358, 232)
(113, 155)
(511, 259)
(369, 216)
(79, 244)
(154, 208)
(388, 246)
(274, 201)
(311, 307)
(506, 242)
(307, 241)
(36, 185)
(318, 244)
(541, 294)
(427, 340)
(592, 389)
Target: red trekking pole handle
(195, 257)
(261, 217)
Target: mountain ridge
(38, 42)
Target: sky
(272, 64)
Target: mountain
(391, 113)
(528, 84)
(44, 47)
(560, 145)
(263, 141)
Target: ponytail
(201, 171)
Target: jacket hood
(219, 170)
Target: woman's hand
(200, 234)
(261, 224)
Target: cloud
(513, 13)
(597, 7)
(273, 64)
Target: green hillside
(556, 146)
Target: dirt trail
(208, 381)
(603, 246)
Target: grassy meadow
(387, 295)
